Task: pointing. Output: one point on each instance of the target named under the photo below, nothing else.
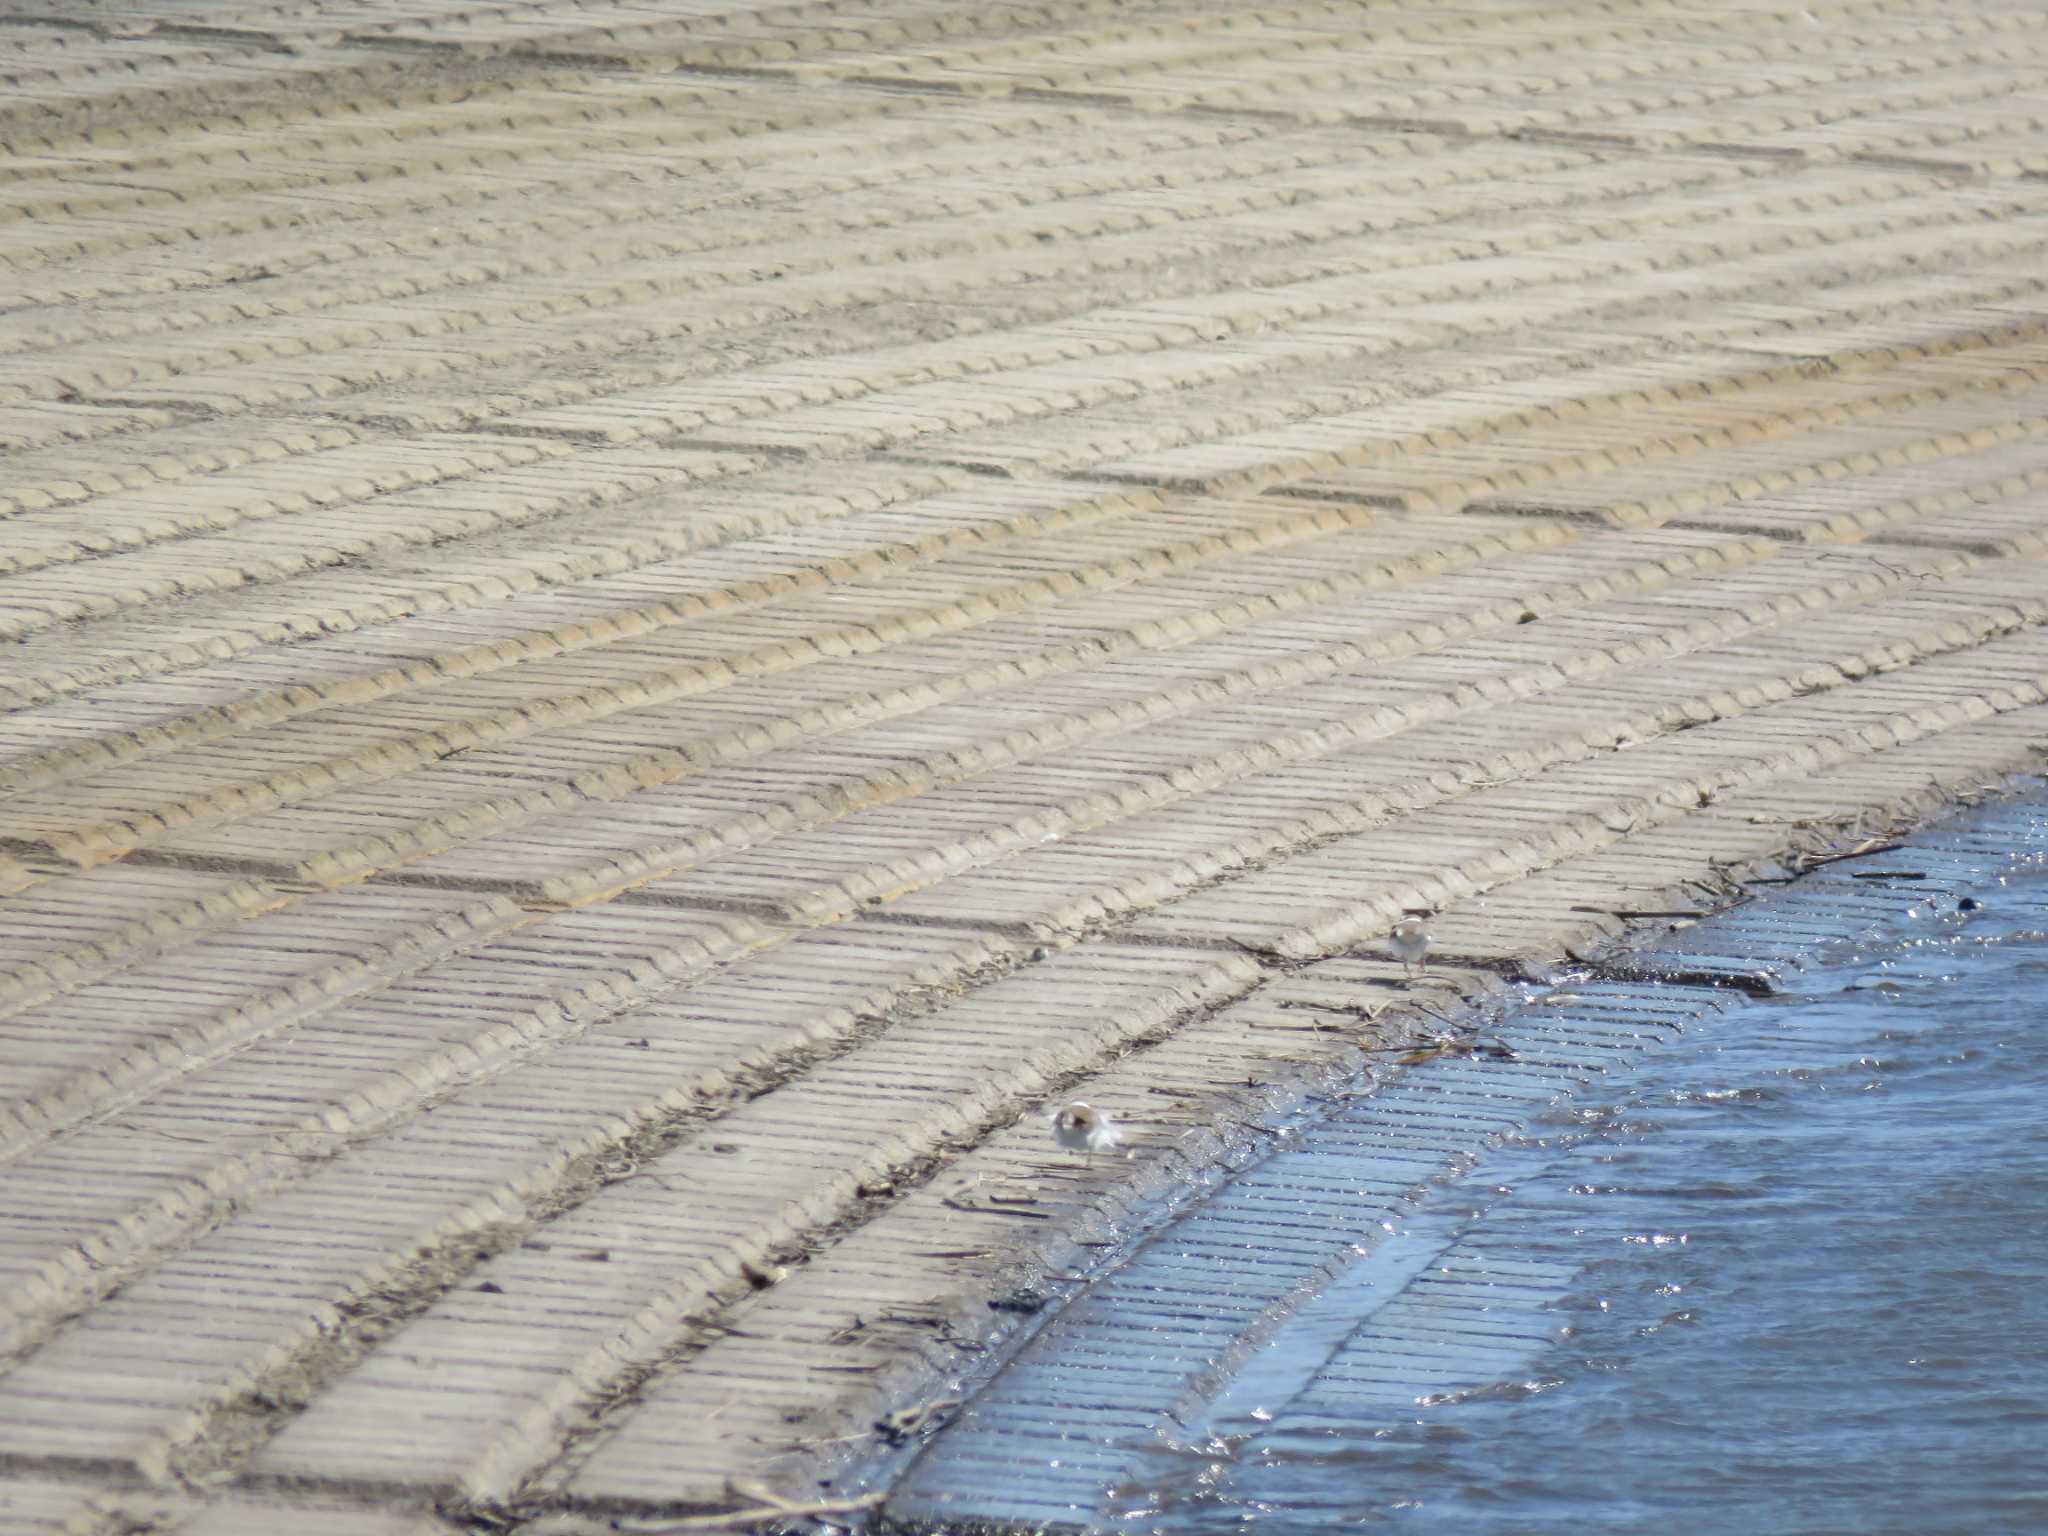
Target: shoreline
(1137, 1362)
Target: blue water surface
(1811, 1293)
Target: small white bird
(1409, 941)
(1088, 1131)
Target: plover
(1409, 941)
(1088, 1131)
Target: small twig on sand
(1873, 845)
(760, 1514)
(1350, 1010)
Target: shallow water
(1799, 1283)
